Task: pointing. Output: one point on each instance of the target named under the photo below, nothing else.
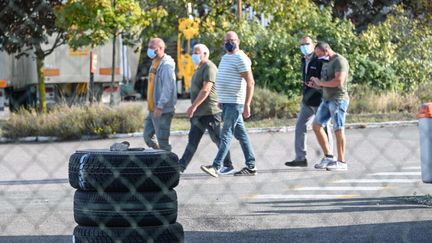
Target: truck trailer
(67, 75)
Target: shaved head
(158, 43)
(231, 35)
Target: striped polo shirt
(230, 86)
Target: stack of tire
(125, 196)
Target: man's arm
(250, 82)
(338, 80)
(203, 94)
(168, 80)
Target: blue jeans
(234, 126)
(199, 125)
(161, 128)
(334, 109)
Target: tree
(365, 12)
(25, 26)
(95, 22)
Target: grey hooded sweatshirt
(165, 93)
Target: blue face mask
(230, 46)
(306, 49)
(151, 53)
(196, 59)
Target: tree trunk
(41, 80)
(113, 71)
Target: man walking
(204, 112)
(334, 78)
(235, 88)
(161, 96)
(311, 67)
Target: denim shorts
(334, 109)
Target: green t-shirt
(337, 64)
(205, 73)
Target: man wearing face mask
(204, 112)
(235, 88)
(334, 106)
(311, 67)
(161, 96)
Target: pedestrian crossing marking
(411, 168)
(296, 196)
(378, 181)
(395, 173)
(341, 188)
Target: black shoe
(297, 163)
(246, 172)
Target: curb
(47, 139)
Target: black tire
(124, 209)
(121, 171)
(172, 233)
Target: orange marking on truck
(107, 71)
(51, 72)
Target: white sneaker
(337, 166)
(324, 162)
(209, 169)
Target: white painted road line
(341, 188)
(293, 196)
(412, 168)
(378, 181)
(395, 173)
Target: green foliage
(274, 50)
(25, 26)
(395, 54)
(74, 122)
(93, 23)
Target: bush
(73, 122)
(366, 101)
(269, 104)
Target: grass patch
(73, 122)
(366, 101)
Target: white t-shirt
(230, 86)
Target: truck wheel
(125, 209)
(172, 233)
(121, 171)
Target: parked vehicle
(67, 75)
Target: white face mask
(325, 58)
(306, 49)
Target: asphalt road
(367, 203)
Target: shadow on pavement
(338, 205)
(413, 232)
